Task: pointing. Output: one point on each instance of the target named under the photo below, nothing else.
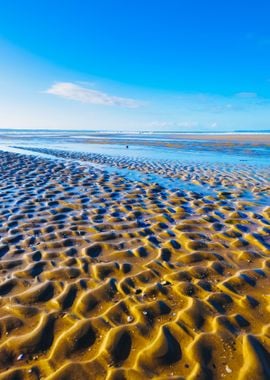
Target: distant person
(127, 146)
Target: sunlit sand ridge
(103, 277)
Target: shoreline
(236, 137)
(241, 136)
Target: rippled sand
(104, 277)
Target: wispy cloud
(163, 124)
(246, 95)
(214, 103)
(82, 94)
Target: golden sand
(102, 277)
(236, 137)
(222, 143)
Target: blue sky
(135, 65)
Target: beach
(130, 267)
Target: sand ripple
(102, 277)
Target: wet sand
(239, 137)
(107, 277)
(150, 139)
(231, 144)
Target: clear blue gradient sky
(135, 65)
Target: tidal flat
(125, 266)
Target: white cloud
(247, 95)
(81, 94)
(162, 124)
